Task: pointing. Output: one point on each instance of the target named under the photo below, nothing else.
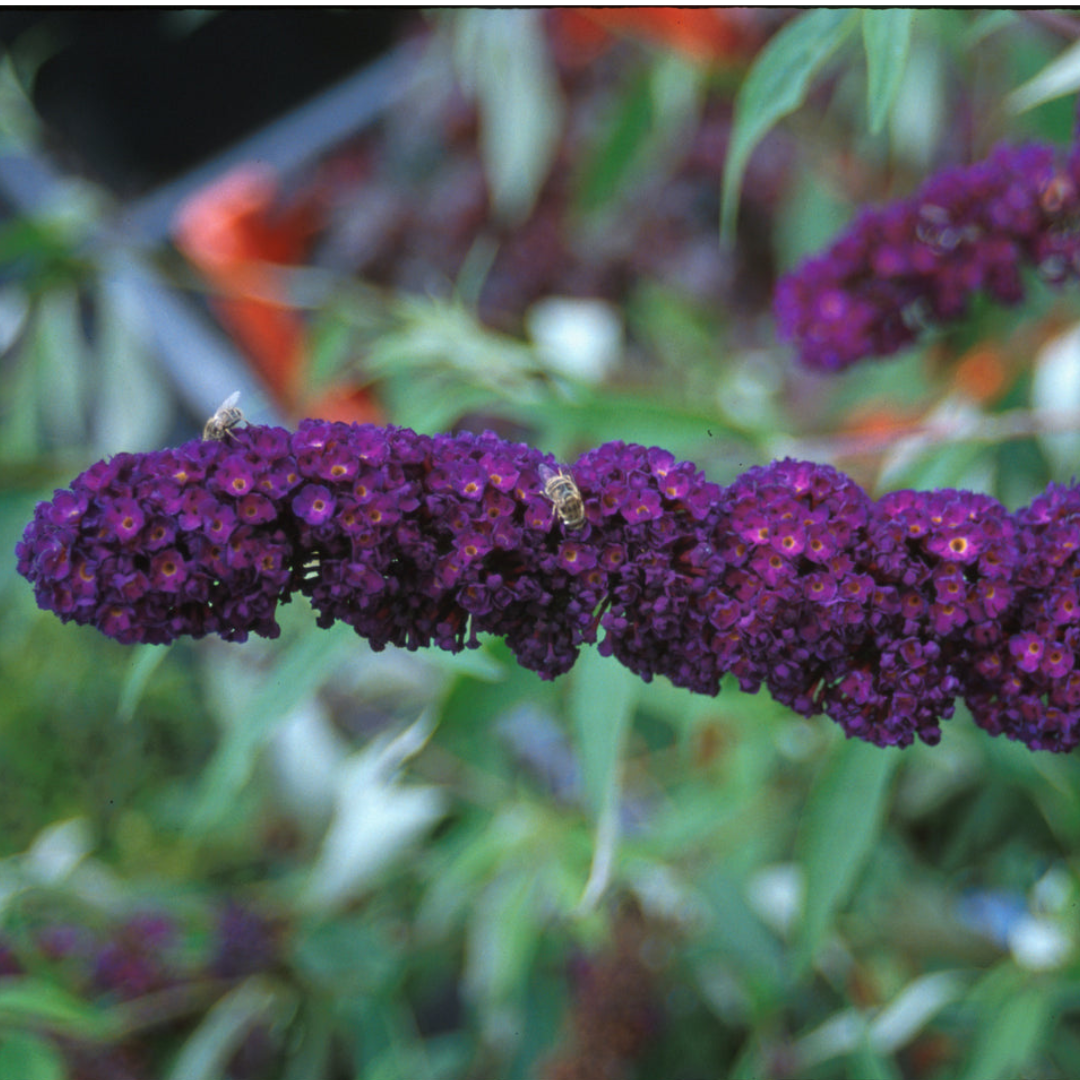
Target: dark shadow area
(132, 98)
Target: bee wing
(547, 473)
(229, 402)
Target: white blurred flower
(777, 894)
(581, 339)
(375, 818)
(57, 850)
(1039, 944)
(306, 752)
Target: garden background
(301, 858)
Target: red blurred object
(706, 35)
(353, 405)
(238, 236)
(983, 374)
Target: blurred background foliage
(301, 859)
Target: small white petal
(1039, 944)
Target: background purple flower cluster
(150, 956)
(919, 260)
(879, 614)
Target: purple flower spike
(158, 548)
(878, 614)
(966, 230)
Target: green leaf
(899, 1021)
(311, 1057)
(634, 417)
(644, 135)
(1060, 77)
(32, 241)
(735, 933)
(391, 1047)
(332, 342)
(434, 403)
(602, 699)
(886, 38)
(29, 1003)
(63, 364)
(866, 1063)
(30, 1058)
(948, 465)
(347, 955)
(20, 432)
(502, 57)
(299, 670)
(809, 219)
(473, 273)
(145, 660)
(503, 937)
(777, 85)
(206, 1054)
(605, 170)
(440, 346)
(839, 830)
(1008, 1038)
(986, 25)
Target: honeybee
(560, 488)
(226, 418)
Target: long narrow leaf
(300, 670)
(1060, 77)
(1008, 1039)
(206, 1054)
(502, 57)
(602, 704)
(145, 660)
(29, 1057)
(618, 145)
(28, 1003)
(777, 85)
(886, 38)
(841, 827)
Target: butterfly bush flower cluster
(880, 614)
(920, 260)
